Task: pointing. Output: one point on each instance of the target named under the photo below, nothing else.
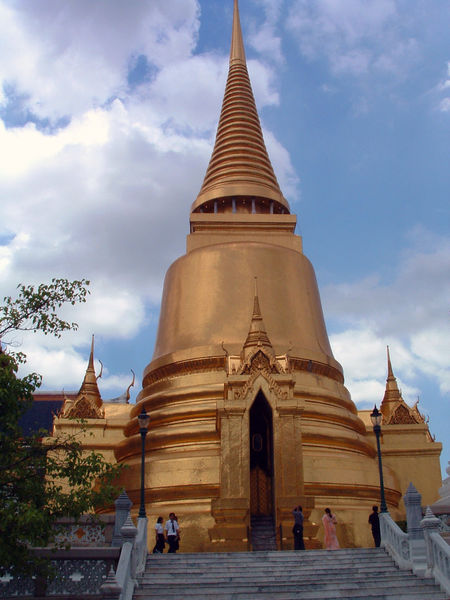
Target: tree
(41, 478)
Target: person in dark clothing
(374, 522)
(297, 530)
(173, 533)
(160, 541)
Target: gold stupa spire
(392, 393)
(240, 166)
(394, 409)
(89, 386)
(88, 403)
(257, 335)
(237, 52)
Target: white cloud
(63, 367)
(106, 197)
(263, 38)
(411, 314)
(444, 88)
(281, 161)
(362, 352)
(356, 36)
(67, 57)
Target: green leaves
(41, 478)
(35, 308)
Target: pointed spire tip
(237, 51)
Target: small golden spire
(392, 397)
(89, 387)
(390, 371)
(240, 166)
(392, 393)
(257, 335)
(393, 408)
(88, 403)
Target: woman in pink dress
(329, 524)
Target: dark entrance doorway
(261, 457)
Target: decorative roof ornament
(240, 166)
(88, 404)
(394, 409)
(125, 397)
(258, 352)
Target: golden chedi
(249, 413)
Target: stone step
(279, 572)
(333, 595)
(286, 572)
(280, 567)
(268, 584)
(354, 574)
(277, 593)
(283, 555)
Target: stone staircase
(357, 574)
(263, 535)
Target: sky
(108, 111)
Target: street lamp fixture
(143, 420)
(376, 417)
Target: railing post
(124, 574)
(110, 590)
(413, 503)
(123, 505)
(429, 525)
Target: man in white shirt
(173, 533)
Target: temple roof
(88, 403)
(394, 409)
(41, 413)
(239, 165)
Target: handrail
(438, 551)
(125, 572)
(132, 561)
(124, 577)
(140, 548)
(395, 541)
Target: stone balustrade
(395, 541)
(425, 533)
(105, 557)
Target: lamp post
(144, 420)
(376, 417)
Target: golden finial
(237, 52)
(390, 371)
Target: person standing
(172, 533)
(374, 521)
(329, 524)
(297, 530)
(160, 542)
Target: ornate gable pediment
(82, 408)
(259, 360)
(403, 415)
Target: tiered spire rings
(240, 169)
